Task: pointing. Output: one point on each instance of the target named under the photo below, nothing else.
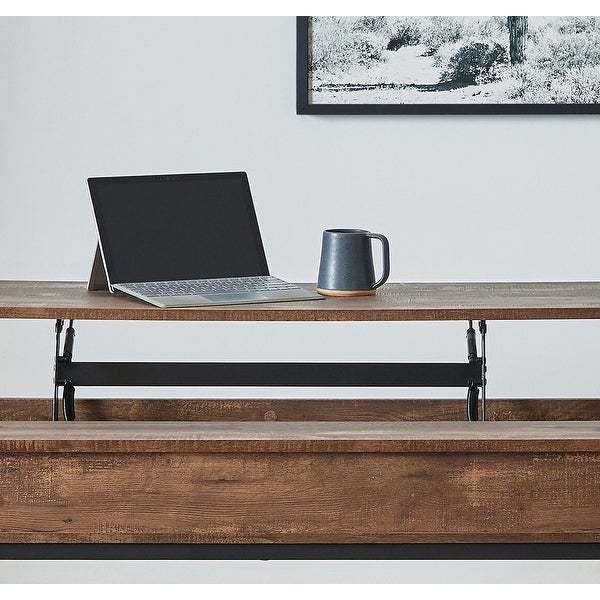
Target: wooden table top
(317, 436)
(393, 302)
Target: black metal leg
(58, 329)
(59, 379)
(483, 331)
(473, 389)
(69, 389)
(480, 381)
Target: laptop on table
(183, 240)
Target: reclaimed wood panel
(173, 497)
(339, 437)
(393, 302)
(144, 409)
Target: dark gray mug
(346, 267)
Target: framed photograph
(448, 65)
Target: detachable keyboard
(203, 287)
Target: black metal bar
(475, 551)
(272, 374)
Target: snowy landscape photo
(453, 60)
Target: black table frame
(447, 551)
(70, 374)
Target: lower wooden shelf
(300, 483)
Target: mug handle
(385, 246)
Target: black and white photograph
(444, 60)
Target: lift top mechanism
(69, 374)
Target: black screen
(168, 227)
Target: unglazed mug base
(346, 292)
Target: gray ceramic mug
(346, 267)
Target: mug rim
(340, 230)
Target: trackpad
(248, 297)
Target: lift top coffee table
(306, 489)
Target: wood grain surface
(147, 409)
(300, 497)
(277, 482)
(393, 302)
(318, 436)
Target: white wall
(461, 198)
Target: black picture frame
(305, 107)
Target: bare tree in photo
(517, 27)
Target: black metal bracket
(483, 331)
(480, 381)
(58, 327)
(59, 375)
(71, 374)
